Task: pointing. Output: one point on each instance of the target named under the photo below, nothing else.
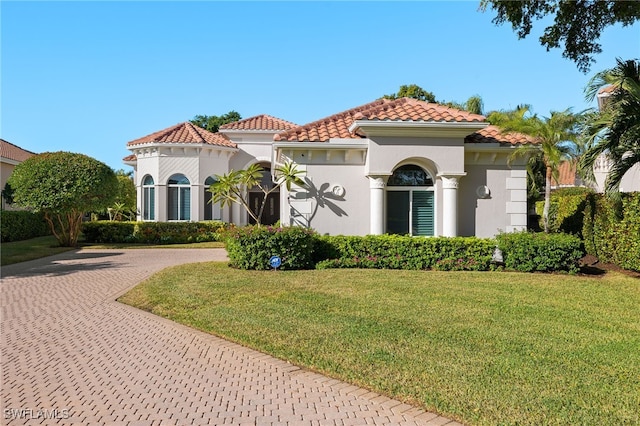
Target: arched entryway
(410, 201)
(271, 212)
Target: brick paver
(71, 354)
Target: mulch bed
(590, 265)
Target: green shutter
(398, 212)
(422, 213)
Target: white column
(376, 212)
(450, 205)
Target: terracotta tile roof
(13, 152)
(607, 89)
(566, 174)
(493, 134)
(131, 157)
(186, 133)
(403, 109)
(259, 122)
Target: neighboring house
(567, 171)
(10, 156)
(390, 166)
(567, 176)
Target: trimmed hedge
(404, 252)
(251, 247)
(566, 210)
(153, 232)
(537, 252)
(610, 238)
(16, 225)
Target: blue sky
(90, 76)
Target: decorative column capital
(377, 181)
(451, 181)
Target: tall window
(179, 198)
(410, 202)
(148, 199)
(212, 210)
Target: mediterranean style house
(390, 166)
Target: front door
(271, 213)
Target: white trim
(9, 161)
(321, 145)
(417, 128)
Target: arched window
(212, 210)
(410, 175)
(410, 202)
(178, 198)
(148, 199)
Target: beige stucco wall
(440, 154)
(327, 213)
(483, 217)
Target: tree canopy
(614, 130)
(577, 25)
(412, 91)
(213, 122)
(474, 104)
(64, 186)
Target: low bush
(22, 225)
(108, 232)
(251, 247)
(612, 231)
(153, 232)
(532, 252)
(404, 252)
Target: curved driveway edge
(70, 354)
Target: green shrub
(404, 252)
(566, 210)
(610, 238)
(251, 247)
(178, 232)
(108, 232)
(531, 252)
(153, 232)
(22, 225)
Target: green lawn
(34, 248)
(483, 348)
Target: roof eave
(251, 131)
(180, 145)
(416, 128)
(321, 145)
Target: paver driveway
(71, 354)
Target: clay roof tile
(493, 134)
(186, 133)
(259, 122)
(13, 152)
(403, 109)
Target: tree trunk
(547, 200)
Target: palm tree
(232, 187)
(555, 138)
(614, 131)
